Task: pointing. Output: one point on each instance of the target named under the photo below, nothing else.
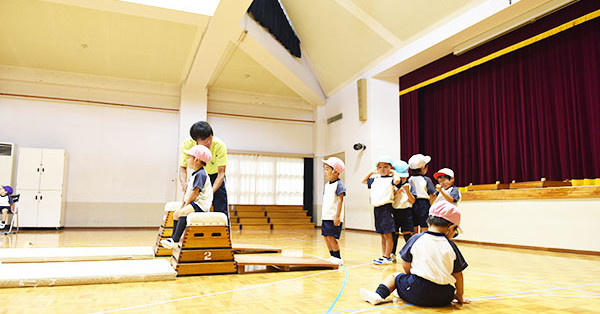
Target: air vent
(5, 149)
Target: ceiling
(59, 37)
(341, 40)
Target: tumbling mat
(72, 254)
(81, 273)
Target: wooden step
(284, 207)
(248, 214)
(203, 268)
(286, 215)
(248, 208)
(290, 220)
(255, 226)
(281, 226)
(253, 220)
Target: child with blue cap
(403, 200)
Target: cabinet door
(53, 169)
(50, 209)
(28, 169)
(28, 208)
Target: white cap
(444, 172)
(418, 161)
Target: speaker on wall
(361, 87)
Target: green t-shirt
(218, 149)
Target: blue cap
(401, 168)
(8, 189)
(386, 159)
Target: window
(256, 179)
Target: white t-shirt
(434, 257)
(452, 191)
(423, 185)
(382, 189)
(199, 179)
(401, 201)
(331, 199)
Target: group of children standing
(405, 202)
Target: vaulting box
(205, 247)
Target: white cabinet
(41, 181)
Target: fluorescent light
(204, 7)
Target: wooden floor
(498, 280)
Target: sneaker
(393, 257)
(2, 225)
(331, 259)
(395, 293)
(385, 260)
(370, 296)
(168, 243)
(378, 261)
(339, 261)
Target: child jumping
(381, 181)
(432, 262)
(333, 207)
(425, 190)
(403, 200)
(6, 203)
(446, 191)
(198, 195)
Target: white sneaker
(331, 259)
(385, 260)
(395, 293)
(339, 261)
(370, 296)
(2, 225)
(168, 243)
(378, 261)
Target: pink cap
(444, 172)
(201, 152)
(447, 211)
(335, 163)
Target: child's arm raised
(372, 172)
(411, 196)
(447, 196)
(460, 288)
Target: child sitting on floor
(432, 262)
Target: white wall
(122, 162)
(263, 135)
(556, 223)
(380, 133)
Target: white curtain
(264, 180)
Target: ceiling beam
(293, 72)
(370, 22)
(222, 28)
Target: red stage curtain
(530, 114)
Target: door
(50, 209)
(52, 170)
(28, 169)
(28, 208)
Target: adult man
(202, 134)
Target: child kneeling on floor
(432, 262)
(198, 195)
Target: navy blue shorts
(420, 212)
(384, 221)
(220, 196)
(196, 207)
(4, 207)
(419, 291)
(329, 229)
(403, 219)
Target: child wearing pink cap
(432, 262)
(6, 203)
(198, 196)
(332, 214)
